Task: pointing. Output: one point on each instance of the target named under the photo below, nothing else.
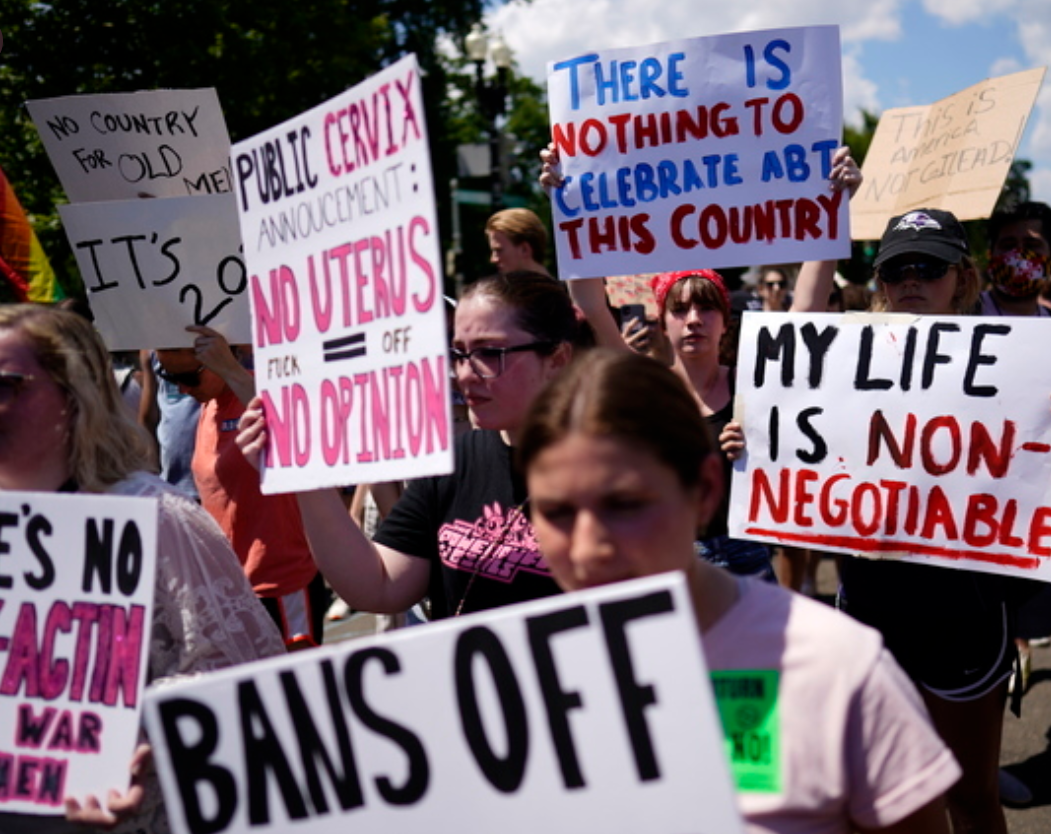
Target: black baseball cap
(924, 232)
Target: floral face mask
(1019, 273)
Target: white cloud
(549, 30)
(959, 12)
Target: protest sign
(926, 438)
(76, 602)
(632, 289)
(152, 267)
(341, 243)
(709, 152)
(594, 706)
(121, 146)
(953, 155)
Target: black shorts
(952, 631)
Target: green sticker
(747, 702)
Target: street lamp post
(492, 98)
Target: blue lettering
(574, 83)
(773, 60)
(624, 187)
(560, 198)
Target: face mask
(1019, 273)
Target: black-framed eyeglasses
(488, 362)
(187, 379)
(927, 271)
(11, 384)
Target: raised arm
(370, 577)
(589, 294)
(814, 283)
(213, 351)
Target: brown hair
(541, 305)
(521, 226)
(696, 289)
(107, 445)
(623, 395)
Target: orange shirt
(266, 531)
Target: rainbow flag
(24, 268)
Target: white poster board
(591, 711)
(76, 605)
(152, 267)
(708, 152)
(893, 436)
(341, 243)
(122, 146)
(953, 155)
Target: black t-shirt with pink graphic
(472, 528)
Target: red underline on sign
(913, 548)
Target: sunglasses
(11, 384)
(488, 362)
(776, 284)
(927, 271)
(187, 379)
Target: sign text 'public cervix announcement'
(341, 241)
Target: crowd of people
(593, 456)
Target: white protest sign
(709, 152)
(953, 155)
(151, 267)
(593, 707)
(925, 438)
(121, 146)
(341, 242)
(76, 603)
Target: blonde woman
(63, 428)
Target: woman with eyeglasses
(64, 428)
(951, 630)
(462, 539)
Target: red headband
(664, 281)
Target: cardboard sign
(593, 707)
(709, 152)
(121, 146)
(632, 289)
(152, 267)
(341, 241)
(76, 603)
(925, 438)
(953, 155)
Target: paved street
(1026, 749)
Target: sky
(896, 53)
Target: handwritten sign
(120, 146)
(76, 596)
(925, 438)
(594, 706)
(341, 241)
(954, 154)
(151, 267)
(709, 152)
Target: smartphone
(633, 311)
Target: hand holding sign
(119, 806)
